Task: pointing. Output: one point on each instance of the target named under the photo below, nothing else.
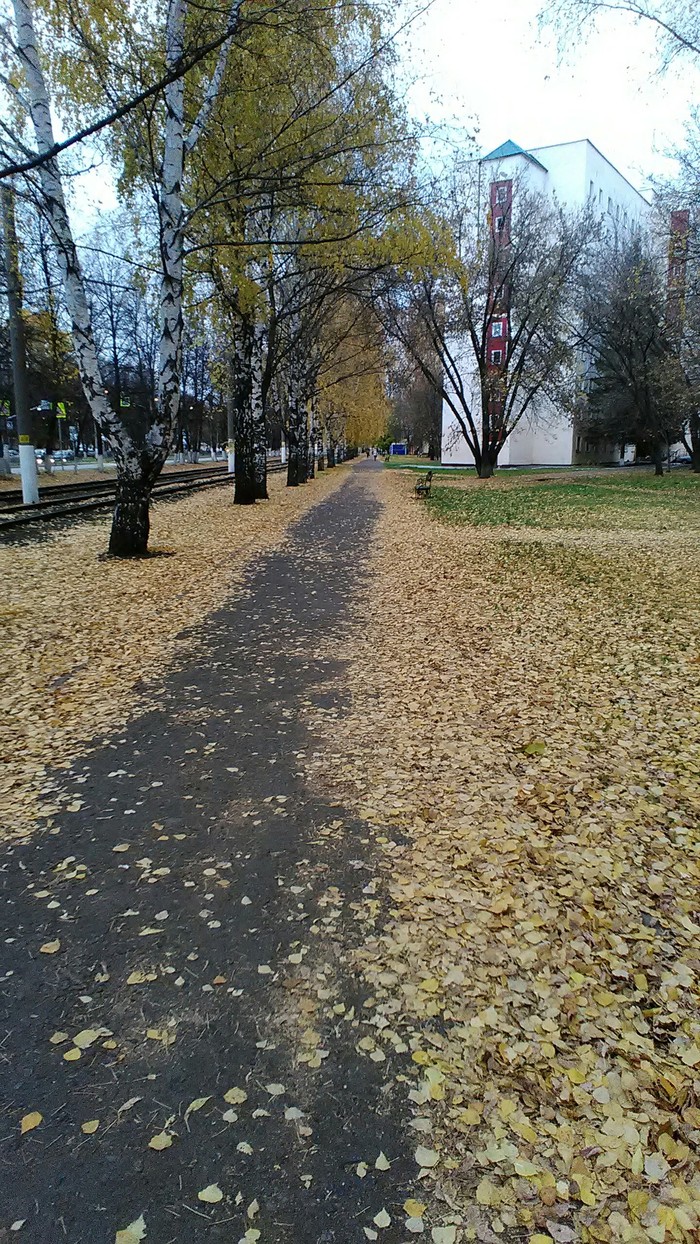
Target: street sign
(61, 410)
(124, 402)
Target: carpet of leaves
(86, 641)
(523, 744)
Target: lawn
(623, 500)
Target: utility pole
(27, 457)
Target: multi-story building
(575, 174)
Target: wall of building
(573, 173)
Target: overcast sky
(487, 61)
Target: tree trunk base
(131, 522)
(245, 491)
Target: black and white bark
(139, 456)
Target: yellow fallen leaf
(487, 1193)
(525, 1168)
(133, 1234)
(72, 1056)
(90, 1127)
(30, 1121)
(382, 1163)
(211, 1195)
(50, 948)
(540, 1238)
(414, 1209)
(443, 1235)
(196, 1105)
(637, 1201)
(426, 1157)
(431, 985)
(58, 1038)
(575, 1075)
(86, 1038)
(163, 1140)
(235, 1096)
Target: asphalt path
(182, 935)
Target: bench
(423, 486)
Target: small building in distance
(574, 174)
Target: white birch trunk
(170, 213)
(57, 216)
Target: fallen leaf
(87, 1037)
(275, 1090)
(196, 1105)
(382, 1163)
(72, 1056)
(90, 1127)
(235, 1096)
(414, 1209)
(50, 948)
(382, 1219)
(443, 1235)
(426, 1157)
(211, 1195)
(30, 1121)
(132, 1234)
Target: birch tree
(140, 452)
(486, 309)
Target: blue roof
(509, 148)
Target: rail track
(76, 499)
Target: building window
(496, 356)
(500, 224)
(600, 199)
(501, 195)
(610, 211)
(591, 190)
(497, 329)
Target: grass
(621, 501)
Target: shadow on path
(202, 863)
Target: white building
(574, 174)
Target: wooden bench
(423, 486)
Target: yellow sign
(61, 410)
(25, 440)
